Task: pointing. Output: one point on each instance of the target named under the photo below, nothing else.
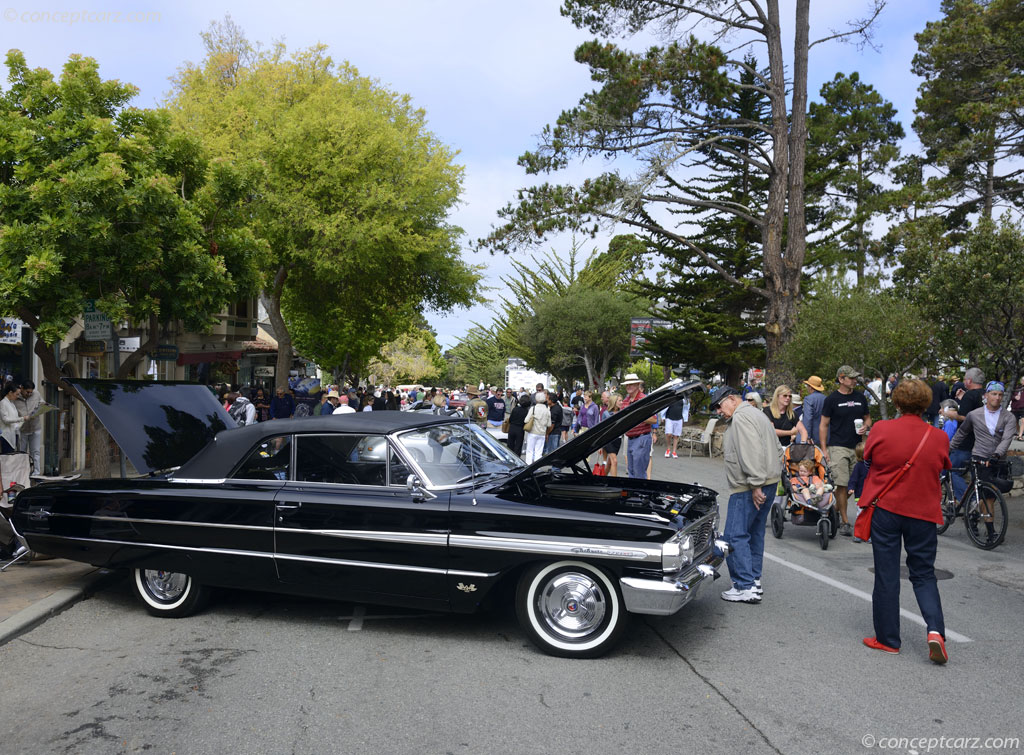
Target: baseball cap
(721, 393)
(848, 371)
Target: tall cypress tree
(716, 325)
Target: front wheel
(823, 530)
(167, 593)
(570, 609)
(985, 516)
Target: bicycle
(982, 507)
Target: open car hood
(604, 432)
(158, 425)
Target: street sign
(263, 371)
(97, 324)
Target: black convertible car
(393, 507)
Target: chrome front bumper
(666, 596)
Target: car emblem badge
(466, 588)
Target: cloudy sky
(489, 74)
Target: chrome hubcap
(572, 605)
(167, 586)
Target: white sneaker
(741, 596)
(757, 588)
(667, 453)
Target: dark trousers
(921, 540)
(516, 435)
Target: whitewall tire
(571, 609)
(169, 594)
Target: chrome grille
(702, 533)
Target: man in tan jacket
(753, 469)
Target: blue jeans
(959, 458)
(553, 441)
(921, 541)
(744, 531)
(639, 455)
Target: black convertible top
(229, 447)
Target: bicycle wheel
(948, 507)
(985, 516)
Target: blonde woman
(780, 413)
(611, 450)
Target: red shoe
(874, 644)
(937, 648)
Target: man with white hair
(752, 468)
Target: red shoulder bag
(862, 528)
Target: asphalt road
(268, 674)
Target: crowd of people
(893, 472)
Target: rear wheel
(167, 593)
(776, 517)
(948, 507)
(985, 516)
(570, 609)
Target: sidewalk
(32, 593)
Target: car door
(347, 527)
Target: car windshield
(457, 452)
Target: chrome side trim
(597, 549)
(477, 574)
(208, 480)
(219, 551)
(134, 520)
(288, 557)
(360, 564)
(412, 538)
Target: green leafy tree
(975, 295)
(107, 202)
(971, 62)
(477, 357)
(663, 108)
(355, 199)
(852, 148)
(874, 331)
(410, 358)
(583, 328)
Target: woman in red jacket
(908, 512)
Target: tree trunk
(129, 364)
(272, 303)
(776, 319)
(99, 449)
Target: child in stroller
(808, 499)
(808, 488)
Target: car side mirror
(415, 487)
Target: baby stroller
(808, 499)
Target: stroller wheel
(833, 520)
(776, 518)
(823, 532)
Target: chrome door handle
(287, 506)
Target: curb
(29, 618)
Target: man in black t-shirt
(555, 431)
(940, 392)
(840, 435)
(974, 397)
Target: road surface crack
(717, 691)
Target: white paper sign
(10, 330)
